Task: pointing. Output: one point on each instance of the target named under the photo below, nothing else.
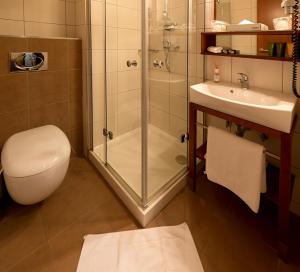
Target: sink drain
(180, 159)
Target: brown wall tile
(74, 54)
(34, 99)
(12, 123)
(76, 114)
(75, 83)
(8, 45)
(48, 87)
(13, 92)
(51, 114)
(76, 140)
(56, 48)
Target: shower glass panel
(120, 147)
(168, 68)
(123, 66)
(140, 96)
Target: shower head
(168, 24)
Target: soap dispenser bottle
(217, 74)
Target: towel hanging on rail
(269, 154)
(237, 164)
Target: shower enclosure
(139, 74)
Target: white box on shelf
(247, 27)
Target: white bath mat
(163, 249)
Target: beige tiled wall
(46, 18)
(196, 60)
(271, 75)
(33, 99)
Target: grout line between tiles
(33, 250)
(76, 220)
(9, 268)
(24, 17)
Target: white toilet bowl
(35, 163)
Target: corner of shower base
(143, 216)
(162, 201)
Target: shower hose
(295, 39)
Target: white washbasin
(268, 108)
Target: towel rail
(269, 154)
(285, 184)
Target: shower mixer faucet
(158, 64)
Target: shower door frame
(144, 99)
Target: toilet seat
(34, 151)
(35, 163)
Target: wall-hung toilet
(35, 163)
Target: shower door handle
(131, 63)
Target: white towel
(237, 164)
(164, 249)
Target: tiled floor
(48, 236)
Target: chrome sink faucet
(244, 80)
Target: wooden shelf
(273, 175)
(267, 32)
(248, 56)
(210, 39)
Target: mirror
(256, 11)
(234, 11)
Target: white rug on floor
(161, 249)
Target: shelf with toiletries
(247, 56)
(260, 32)
(263, 32)
(279, 44)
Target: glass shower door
(140, 97)
(123, 92)
(168, 89)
